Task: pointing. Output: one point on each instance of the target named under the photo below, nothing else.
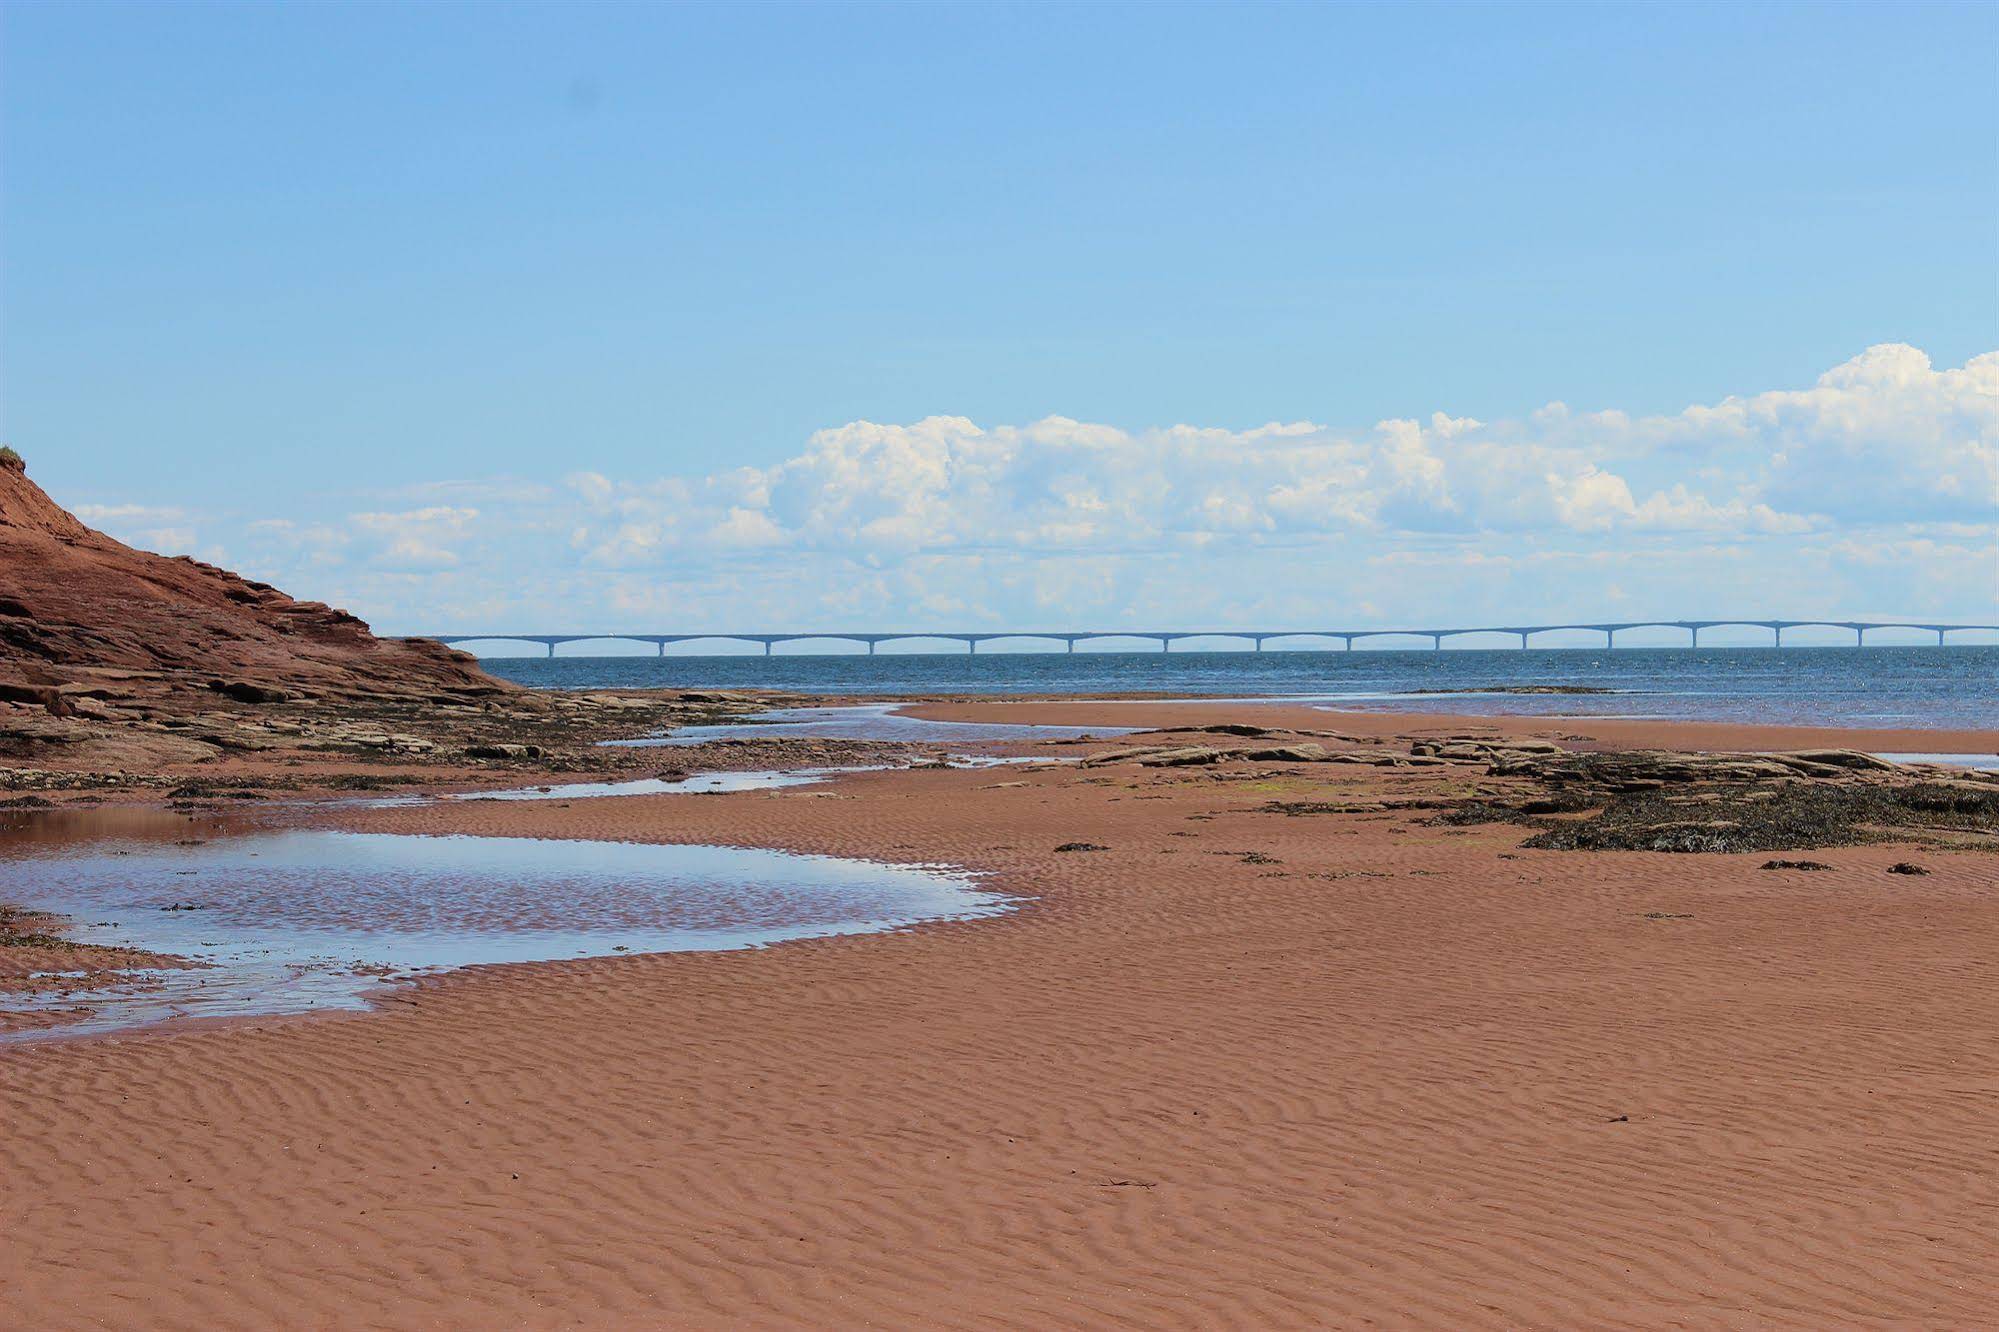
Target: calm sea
(1935, 687)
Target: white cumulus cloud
(1876, 484)
(415, 539)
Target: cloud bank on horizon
(1872, 492)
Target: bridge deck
(1258, 637)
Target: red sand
(1378, 1074)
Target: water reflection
(295, 919)
(711, 783)
(700, 783)
(866, 721)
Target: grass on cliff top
(9, 457)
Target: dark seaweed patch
(1786, 817)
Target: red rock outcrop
(77, 606)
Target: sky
(683, 318)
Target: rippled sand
(1238, 1069)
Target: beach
(1275, 1050)
(985, 667)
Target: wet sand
(1237, 1069)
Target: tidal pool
(700, 783)
(292, 920)
(866, 721)
(703, 783)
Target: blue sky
(553, 315)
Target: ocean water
(1880, 687)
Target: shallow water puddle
(701, 783)
(297, 919)
(705, 783)
(865, 721)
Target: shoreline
(1645, 733)
(441, 789)
(1243, 1064)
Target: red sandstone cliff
(74, 604)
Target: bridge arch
(612, 638)
(969, 640)
(1234, 635)
(668, 640)
(1696, 626)
(1068, 640)
(1611, 631)
(1358, 635)
(538, 640)
(865, 641)
(1345, 640)
(1120, 636)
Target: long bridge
(1166, 638)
